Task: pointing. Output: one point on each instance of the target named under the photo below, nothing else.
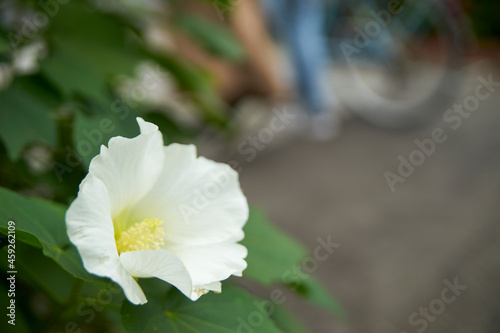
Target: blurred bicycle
(396, 63)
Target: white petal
(203, 289)
(90, 229)
(214, 286)
(212, 263)
(200, 201)
(146, 127)
(129, 167)
(160, 264)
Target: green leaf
(43, 272)
(86, 57)
(27, 115)
(213, 37)
(197, 84)
(43, 220)
(73, 75)
(171, 131)
(24, 237)
(4, 45)
(224, 5)
(108, 44)
(227, 312)
(287, 321)
(90, 132)
(316, 293)
(270, 251)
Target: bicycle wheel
(397, 63)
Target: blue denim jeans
(300, 24)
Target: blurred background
(374, 123)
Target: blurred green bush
(485, 18)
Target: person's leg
(249, 24)
(305, 36)
(300, 24)
(309, 50)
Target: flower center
(145, 235)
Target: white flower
(145, 210)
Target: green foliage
(39, 222)
(225, 5)
(42, 272)
(104, 41)
(4, 45)
(71, 105)
(272, 252)
(22, 324)
(212, 37)
(287, 321)
(27, 115)
(90, 132)
(84, 57)
(73, 76)
(83, 62)
(173, 312)
(172, 132)
(315, 292)
(197, 84)
(484, 16)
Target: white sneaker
(324, 126)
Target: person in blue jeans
(299, 23)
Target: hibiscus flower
(147, 210)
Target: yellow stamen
(199, 292)
(145, 235)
